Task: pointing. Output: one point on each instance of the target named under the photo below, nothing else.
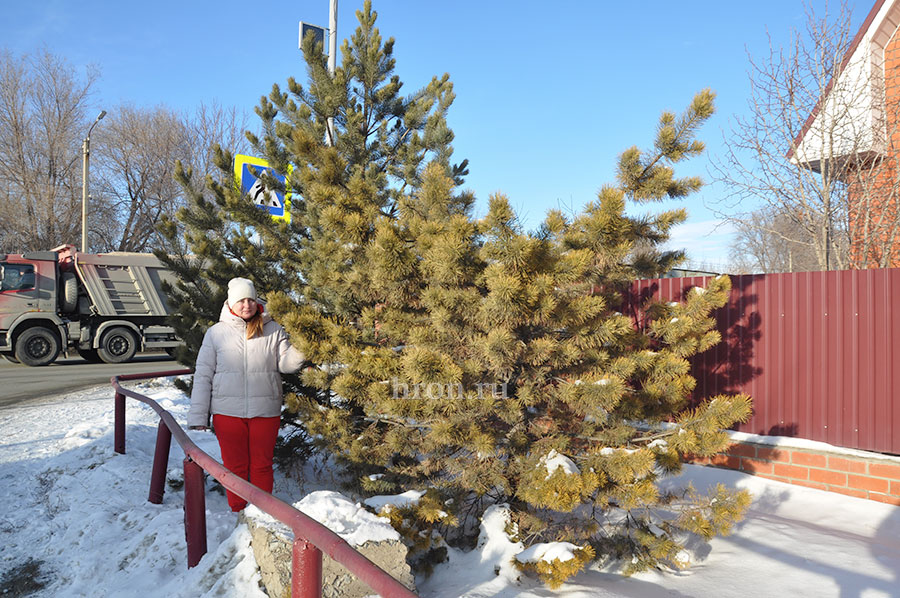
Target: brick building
(853, 136)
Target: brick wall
(873, 477)
(874, 186)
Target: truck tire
(37, 346)
(68, 296)
(117, 345)
(89, 355)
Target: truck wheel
(37, 346)
(90, 355)
(117, 345)
(68, 298)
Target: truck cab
(28, 299)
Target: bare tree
(810, 153)
(764, 242)
(44, 104)
(214, 125)
(44, 114)
(139, 150)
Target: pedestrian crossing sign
(247, 174)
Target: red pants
(248, 446)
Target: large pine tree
(468, 358)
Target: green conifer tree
(466, 357)
(488, 364)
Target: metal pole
(160, 463)
(306, 570)
(119, 434)
(332, 36)
(194, 512)
(332, 56)
(86, 156)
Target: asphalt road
(21, 383)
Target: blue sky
(548, 93)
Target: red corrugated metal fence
(817, 351)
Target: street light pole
(86, 155)
(332, 56)
(332, 36)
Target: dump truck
(104, 306)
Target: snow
(338, 513)
(71, 502)
(608, 451)
(787, 442)
(494, 545)
(410, 497)
(803, 443)
(548, 552)
(554, 460)
(346, 518)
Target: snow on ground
(71, 502)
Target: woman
(237, 382)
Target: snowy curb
(372, 536)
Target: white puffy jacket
(238, 376)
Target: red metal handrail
(311, 538)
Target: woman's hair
(255, 324)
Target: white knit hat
(240, 288)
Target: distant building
(684, 273)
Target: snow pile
(486, 571)
(338, 513)
(81, 434)
(408, 498)
(494, 545)
(347, 519)
(554, 460)
(548, 552)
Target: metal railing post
(306, 570)
(160, 463)
(194, 512)
(119, 442)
